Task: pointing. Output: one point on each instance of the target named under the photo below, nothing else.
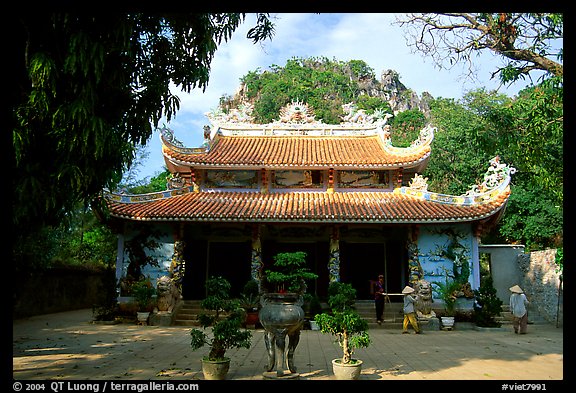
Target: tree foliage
(322, 83)
(525, 40)
(527, 133)
(80, 240)
(91, 88)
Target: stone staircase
(188, 310)
(187, 313)
(392, 317)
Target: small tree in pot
(346, 325)
(288, 274)
(224, 315)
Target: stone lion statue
(424, 300)
(168, 294)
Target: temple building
(342, 193)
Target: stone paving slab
(67, 346)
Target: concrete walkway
(67, 346)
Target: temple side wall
(535, 272)
(433, 242)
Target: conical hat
(516, 289)
(407, 290)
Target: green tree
(91, 88)
(483, 124)
(464, 142)
(407, 126)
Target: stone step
(188, 311)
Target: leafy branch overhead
(92, 87)
(528, 41)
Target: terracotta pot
(215, 369)
(252, 318)
(347, 371)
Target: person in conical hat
(518, 304)
(409, 310)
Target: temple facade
(342, 193)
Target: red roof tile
(301, 151)
(309, 207)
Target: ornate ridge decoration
(496, 181)
(354, 115)
(298, 118)
(167, 138)
(424, 140)
(152, 196)
(419, 183)
(496, 174)
(297, 112)
(242, 114)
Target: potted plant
(281, 315)
(346, 325)
(224, 316)
(448, 291)
(250, 302)
(288, 273)
(143, 292)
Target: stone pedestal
(161, 318)
(429, 324)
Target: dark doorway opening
(361, 263)
(231, 260)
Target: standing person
(379, 295)
(518, 304)
(409, 310)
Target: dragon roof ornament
(496, 181)
(297, 112)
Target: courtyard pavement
(68, 346)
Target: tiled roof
(235, 152)
(305, 207)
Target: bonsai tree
(289, 273)
(487, 305)
(343, 322)
(225, 317)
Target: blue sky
(371, 37)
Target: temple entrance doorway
(361, 263)
(205, 259)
